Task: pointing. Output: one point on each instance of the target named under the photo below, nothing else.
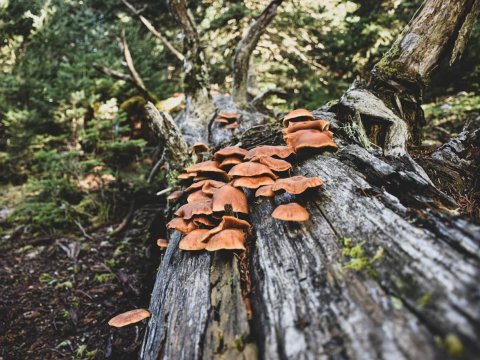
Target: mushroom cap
(181, 225)
(129, 317)
(309, 139)
(297, 115)
(200, 184)
(199, 147)
(229, 195)
(203, 220)
(230, 161)
(250, 168)
(321, 125)
(209, 189)
(273, 164)
(198, 196)
(192, 241)
(252, 182)
(175, 195)
(270, 150)
(230, 151)
(229, 239)
(228, 222)
(233, 125)
(162, 243)
(197, 208)
(296, 184)
(228, 115)
(186, 176)
(265, 191)
(221, 120)
(291, 212)
(205, 166)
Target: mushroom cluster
(230, 120)
(214, 216)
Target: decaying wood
(168, 135)
(154, 31)
(244, 50)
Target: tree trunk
(382, 270)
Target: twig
(126, 220)
(82, 229)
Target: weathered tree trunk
(383, 270)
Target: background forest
(75, 149)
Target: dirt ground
(57, 293)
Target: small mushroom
(253, 182)
(198, 196)
(296, 184)
(162, 243)
(230, 161)
(230, 151)
(205, 166)
(309, 139)
(129, 317)
(192, 241)
(291, 212)
(197, 208)
(186, 176)
(273, 164)
(228, 222)
(230, 239)
(265, 191)
(233, 126)
(199, 147)
(203, 220)
(221, 120)
(251, 169)
(228, 115)
(202, 183)
(322, 125)
(175, 195)
(270, 150)
(228, 195)
(181, 225)
(297, 115)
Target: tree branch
(113, 73)
(244, 51)
(154, 31)
(135, 76)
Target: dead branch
(154, 31)
(136, 79)
(244, 52)
(113, 73)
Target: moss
(359, 261)
(452, 344)
(239, 343)
(424, 300)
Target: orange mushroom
(322, 125)
(230, 151)
(296, 184)
(192, 241)
(230, 161)
(162, 243)
(200, 184)
(251, 169)
(221, 120)
(228, 222)
(186, 176)
(205, 166)
(265, 191)
(197, 208)
(273, 164)
(297, 115)
(175, 195)
(232, 126)
(181, 225)
(203, 220)
(228, 195)
(291, 212)
(228, 115)
(269, 150)
(253, 182)
(199, 147)
(309, 139)
(230, 239)
(129, 317)
(198, 196)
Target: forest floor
(57, 293)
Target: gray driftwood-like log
(384, 269)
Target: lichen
(239, 343)
(359, 261)
(452, 344)
(424, 300)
